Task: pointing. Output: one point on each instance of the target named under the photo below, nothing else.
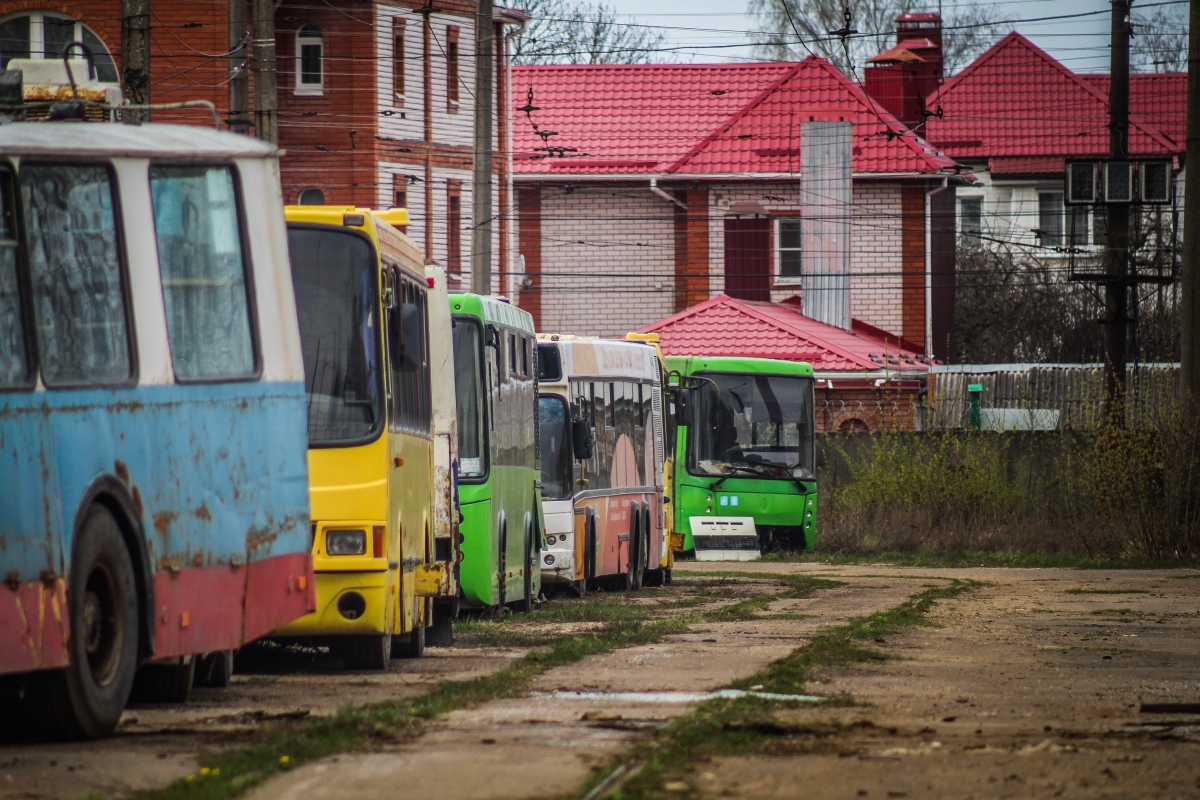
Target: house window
(1099, 227)
(310, 57)
(454, 227)
(452, 68)
(1050, 219)
(787, 249)
(398, 62)
(312, 196)
(399, 191)
(43, 35)
(1077, 225)
(970, 210)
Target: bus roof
(393, 244)
(603, 358)
(493, 310)
(67, 139)
(690, 365)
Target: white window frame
(37, 32)
(311, 89)
(1067, 211)
(961, 217)
(777, 255)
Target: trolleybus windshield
(554, 428)
(335, 277)
(752, 426)
(468, 385)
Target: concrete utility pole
(239, 69)
(1116, 256)
(266, 102)
(135, 58)
(481, 190)
(1189, 378)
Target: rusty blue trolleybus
(153, 479)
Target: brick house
(375, 99)
(867, 379)
(1015, 114)
(646, 189)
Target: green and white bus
(495, 375)
(745, 465)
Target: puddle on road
(678, 697)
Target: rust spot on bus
(122, 471)
(163, 520)
(202, 513)
(263, 538)
(137, 502)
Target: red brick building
(375, 99)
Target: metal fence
(1042, 396)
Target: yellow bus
(363, 300)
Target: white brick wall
(593, 234)
(608, 260)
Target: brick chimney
(904, 77)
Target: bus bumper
(347, 603)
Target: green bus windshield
(468, 384)
(752, 426)
(334, 273)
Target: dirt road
(1030, 685)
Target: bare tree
(1160, 40)
(793, 29)
(580, 32)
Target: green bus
(495, 376)
(745, 464)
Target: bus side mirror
(581, 439)
(493, 336)
(683, 406)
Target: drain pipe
(666, 195)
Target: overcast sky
(708, 31)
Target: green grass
(749, 724)
(626, 620)
(954, 559)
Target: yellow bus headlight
(345, 542)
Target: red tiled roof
(1160, 99)
(1015, 100)
(724, 326)
(698, 119)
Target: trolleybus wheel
(369, 652)
(164, 683)
(214, 670)
(527, 603)
(85, 700)
(441, 632)
(412, 644)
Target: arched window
(44, 34)
(312, 196)
(310, 60)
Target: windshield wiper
(752, 468)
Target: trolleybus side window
(15, 369)
(75, 260)
(197, 224)
(408, 348)
(470, 388)
(335, 273)
(549, 362)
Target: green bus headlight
(345, 543)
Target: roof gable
(724, 326)
(765, 135)
(708, 119)
(1016, 100)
